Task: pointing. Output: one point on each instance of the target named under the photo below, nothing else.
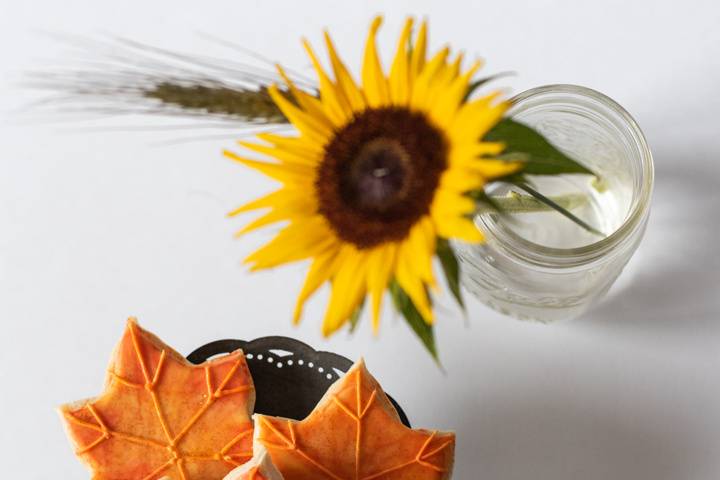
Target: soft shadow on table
(675, 279)
(558, 437)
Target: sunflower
(377, 173)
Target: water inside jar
(603, 208)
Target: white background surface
(97, 226)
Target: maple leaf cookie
(162, 417)
(354, 433)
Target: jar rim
(637, 212)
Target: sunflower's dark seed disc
(378, 175)
(290, 377)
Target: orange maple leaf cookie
(163, 417)
(354, 433)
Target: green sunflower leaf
(417, 323)
(451, 268)
(525, 144)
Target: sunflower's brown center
(379, 175)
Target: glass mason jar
(541, 266)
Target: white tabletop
(100, 225)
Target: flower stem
(513, 202)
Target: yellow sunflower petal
(475, 118)
(298, 241)
(454, 69)
(348, 289)
(400, 70)
(381, 264)
(278, 197)
(312, 126)
(463, 229)
(302, 206)
(269, 218)
(298, 145)
(441, 82)
(352, 92)
(452, 202)
(334, 103)
(322, 269)
(447, 102)
(308, 102)
(490, 168)
(283, 173)
(419, 52)
(414, 287)
(419, 249)
(418, 99)
(285, 155)
(455, 226)
(466, 153)
(461, 180)
(373, 79)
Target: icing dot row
(279, 364)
